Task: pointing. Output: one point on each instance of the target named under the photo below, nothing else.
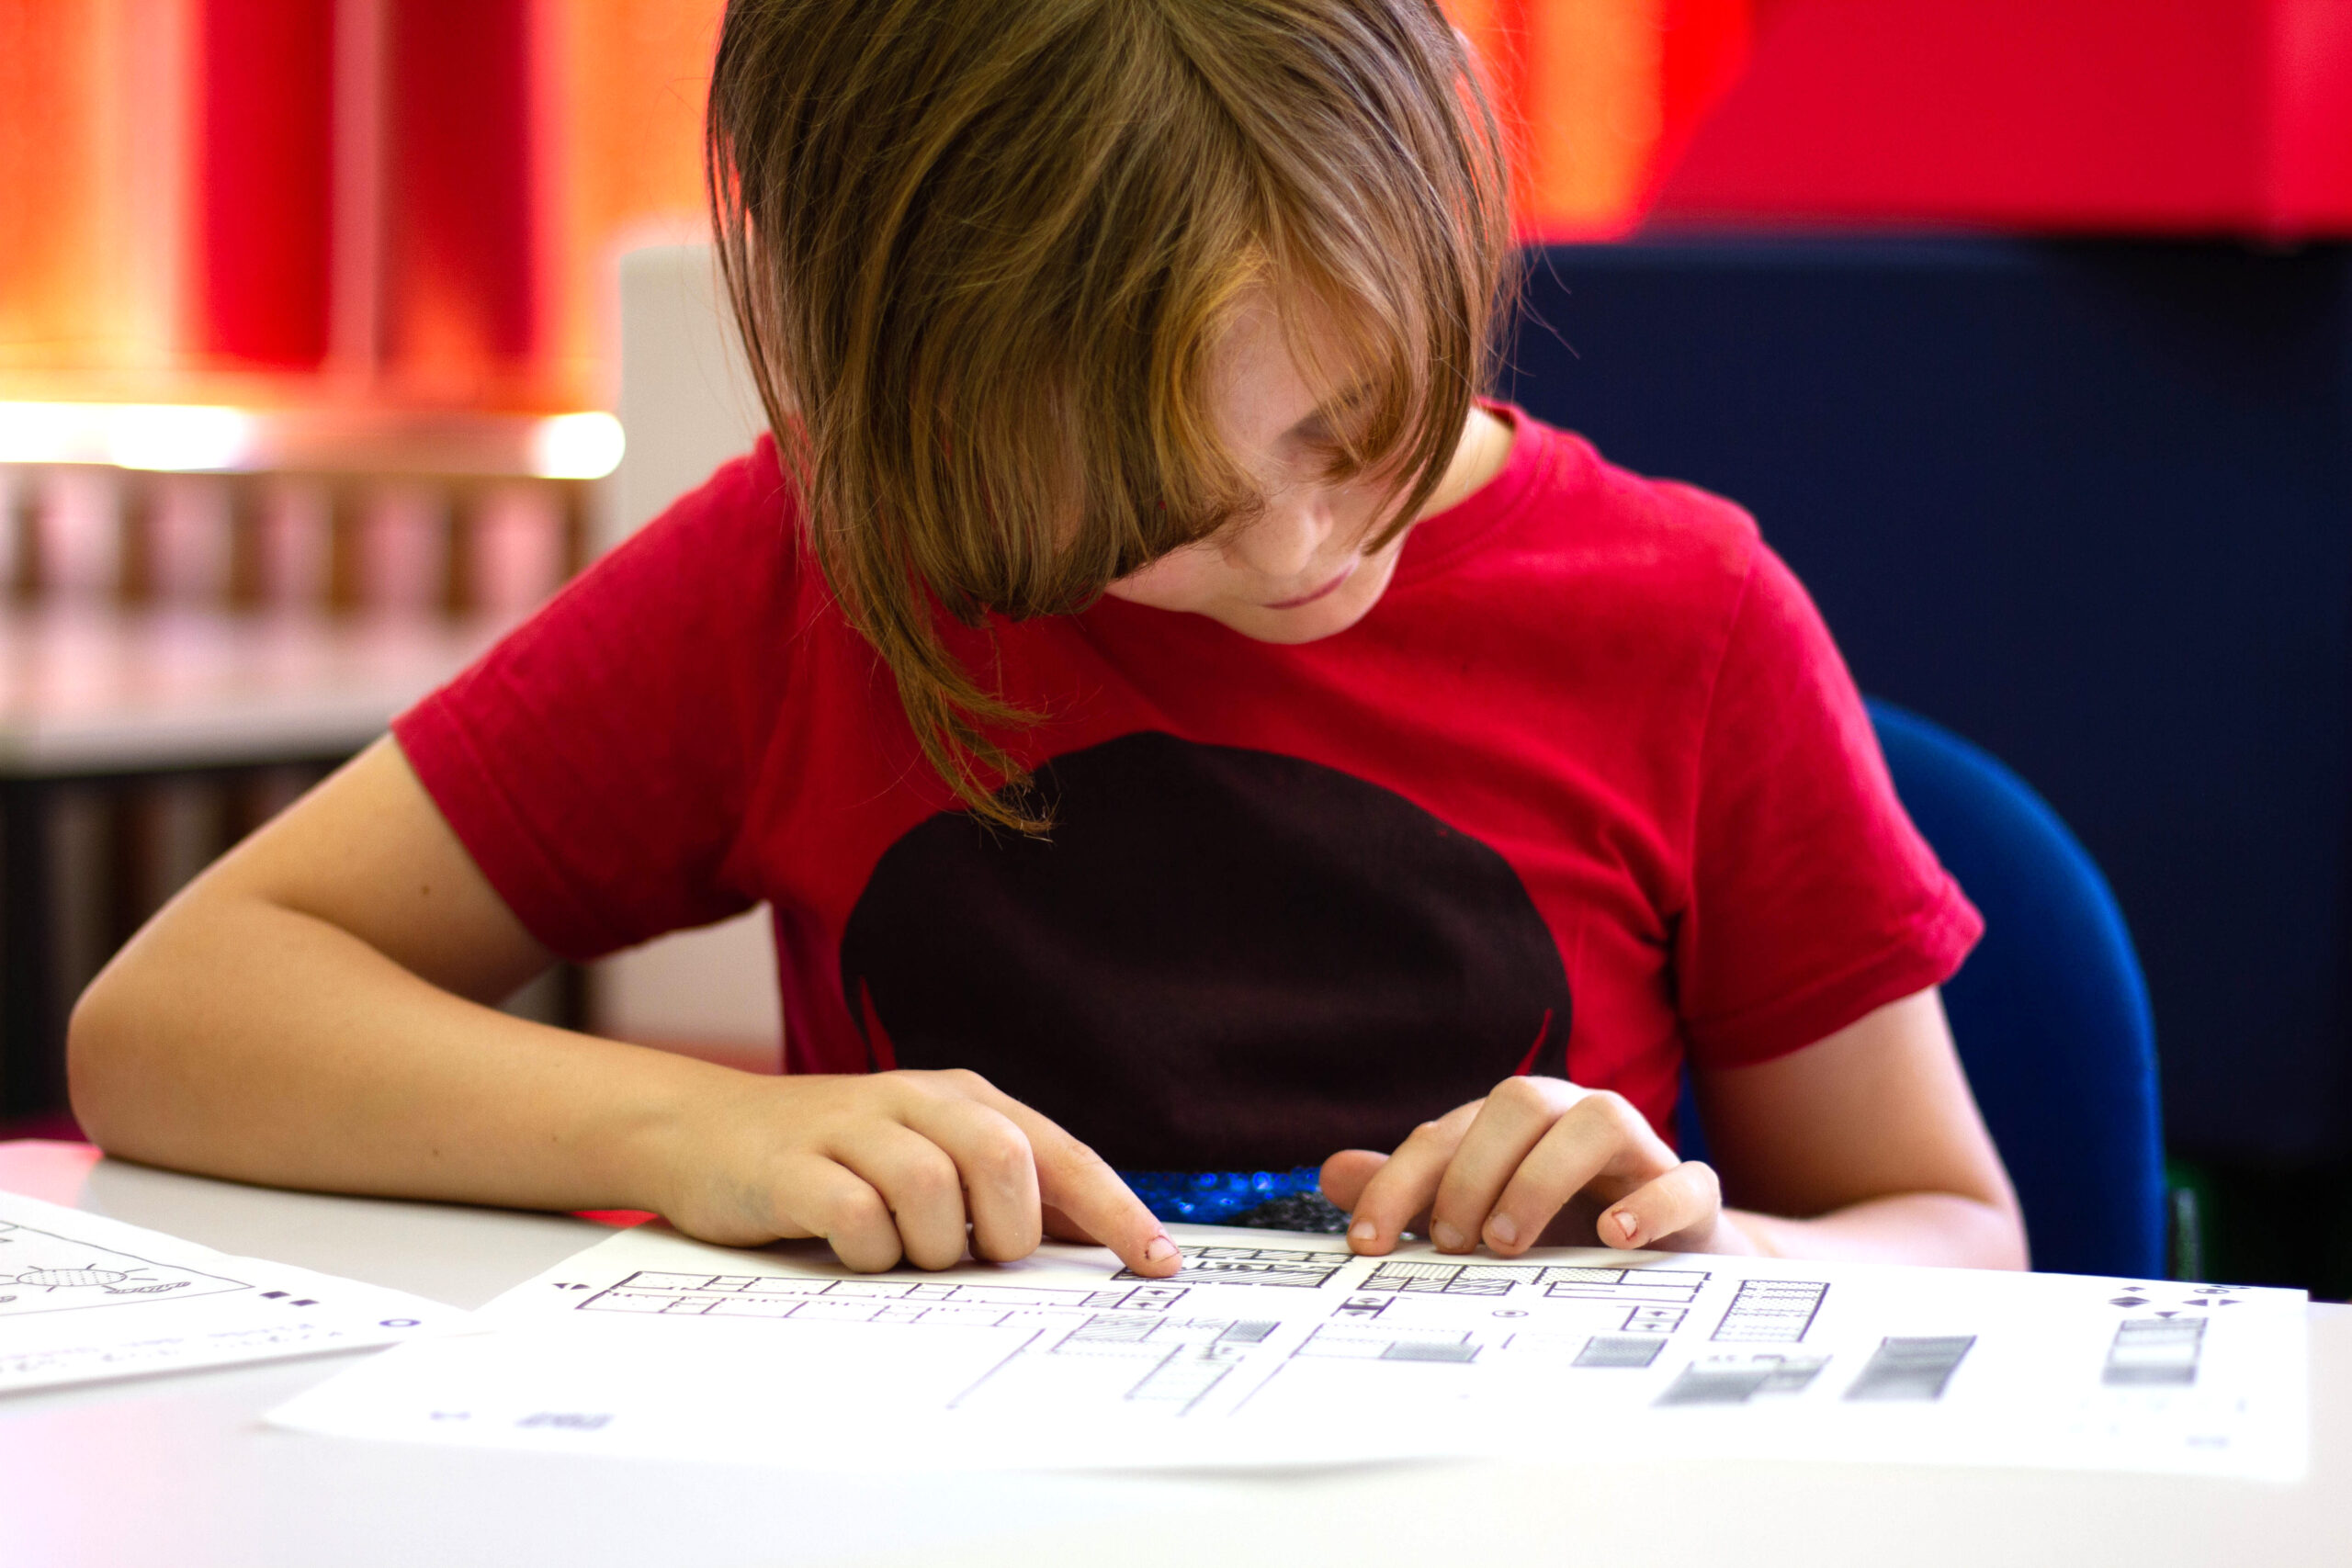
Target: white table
(178, 1472)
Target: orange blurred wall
(624, 84)
(90, 190)
(1599, 97)
(104, 249)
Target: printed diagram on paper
(84, 1298)
(43, 1272)
(1267, 1347)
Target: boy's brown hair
(981, 254)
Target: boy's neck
(1484, 449)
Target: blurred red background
(415, 202)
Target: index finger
(1074, 1180)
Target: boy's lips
(1329, 588)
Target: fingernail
(1447, 1238)
(1363, 1230)
(1158, 1249)
(1502, 1228)
(1630, 1225)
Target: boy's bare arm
(1873, 1136)
(313, 1013)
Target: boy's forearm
(250, 1041)
(1943, 1229)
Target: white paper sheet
(1272, 1349)
(84, 1298)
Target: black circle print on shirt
(1221, 959)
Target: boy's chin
(1310, 623)
(1307, 623)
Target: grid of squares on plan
(1912, 1367)
(1737, 1380)
(1305, 1269)
(1424, 1277)
(2154, 1352)
(1770, 1312)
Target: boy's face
(1297, 571)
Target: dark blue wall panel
(2089, 505)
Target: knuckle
(1610, 1110)
(853, 1211)
(1002, 1154)
(1518, 1090)
(961, 1080)
(931, 1178)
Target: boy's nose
(1282, 542)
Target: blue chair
(2049, 1012)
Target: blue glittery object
(1212, 1197)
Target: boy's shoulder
(1569, 521)
(1654, 521)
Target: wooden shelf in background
(90, 691)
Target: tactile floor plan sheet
(1268, 1347)
(84, 1298)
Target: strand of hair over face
(982, 254)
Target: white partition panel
(687, 406)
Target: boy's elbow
(102, 1076)
(1998, 1240)
(90, 1034)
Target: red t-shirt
(1588, 789)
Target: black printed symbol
(1220, 959)
(2127, 1301)
(273, 1295)
(572, 1286)
(397, 1323)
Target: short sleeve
(598, 763)
(1813, 899)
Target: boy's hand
(886, 1166)
(1537, 1160)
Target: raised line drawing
(1670, 1286)
(1736, 1379)
(1420, 1278)
(2154, 1352)
(1911, 1368)
(1618, 1351)
(1770, 1312)
(881, 1300)
(1159, 1361)
(1305, 1269)
(1365, 1342)
(1702, 1383)
(42, 1271)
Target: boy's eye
(1333, 453)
